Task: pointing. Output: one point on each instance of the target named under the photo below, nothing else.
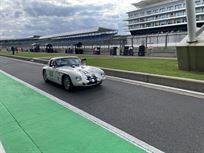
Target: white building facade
(157, 17)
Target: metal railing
(159, 40)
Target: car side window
(58, 62)
(52, 63)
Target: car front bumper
(90, 82)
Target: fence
(157, 45)
(160, 40)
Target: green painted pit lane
(33, 123)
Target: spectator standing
(13, 50)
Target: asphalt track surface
(171, 122)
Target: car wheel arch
(43, 73)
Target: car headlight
(78, 78)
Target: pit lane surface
(171, 122)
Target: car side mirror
(83, 59)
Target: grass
(32, 54)
(167, 67)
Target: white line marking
(159, 87)
(2, 148)
(30, 62)
(140, 83)
(118, 132)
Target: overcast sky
(23, 18)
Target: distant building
(159, 16)
(104, 40)
(69, 38)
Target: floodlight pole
(191, 19)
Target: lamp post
(191, 19)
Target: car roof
(55, 58)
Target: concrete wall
(191, 58)
(191, 55)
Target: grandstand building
(89, 40)
(95, 34)
(159, 16)
(87, 35)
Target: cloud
(37, 9)
(22, 18)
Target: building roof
(80, 32)
(145, 3)
(27, 38)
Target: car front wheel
(67, 83)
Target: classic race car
(71, 72)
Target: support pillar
(190, 51)
(191, 19)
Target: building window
(179, 13)
(148, 25)
(135, 14)
(171, 14)
(150, 18)
(170, 8)
(141, 13)
(163, 23)
(142, 20)
(162, 9)
(164, 16)
(198, 2)
(179, 20)
(178, 6)
(171, 22)
(200, 18)
(155, 11)
(198, 10)
(149, 12)
(130, 15)
(156, 24)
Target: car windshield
(68, 62)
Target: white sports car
(71, 72)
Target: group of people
(70, 51)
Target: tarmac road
(171, 122)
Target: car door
(51, 71)
(56, 75)
(56, 72)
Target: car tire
(67, 83)
(45, 76)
